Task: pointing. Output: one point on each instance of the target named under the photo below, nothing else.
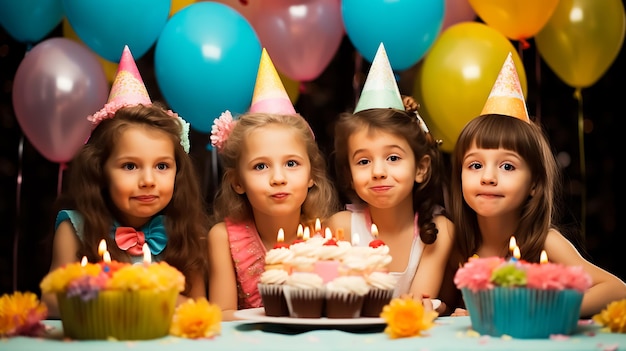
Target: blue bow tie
(131, 240)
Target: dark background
(27, 215)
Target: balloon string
(524, 43)
(18, 195)
(581, 149)
(62, 167)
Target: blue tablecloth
(450, 333)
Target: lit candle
(516, 253)
(147, 256)
(280, 240)
(328, 234)
(355, 239)
(374, 231)
(83, 261)
(376, 242)
(307, 234)
(300, 232)
(544, 257)
(512, 244)
(318, 227)
(106, 257)
(102, 247)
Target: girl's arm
(197, 290)
(605, 288)
(222, 279)
(343, 220)
(64, 249)
(432, 266)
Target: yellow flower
(197, 319)
(613, 316)
(21, 314)
(406, 317)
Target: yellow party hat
(506, 97)
(270, 95)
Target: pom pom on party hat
(128, 89)
(270, 95)
(506, 97)
(380, 89)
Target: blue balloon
(206, 61)
(407, 28)
(29, 21)
(107, 26)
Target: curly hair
(495, 131)
(321, 200)
(186, 219)
(426, 195)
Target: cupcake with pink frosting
(521, 299)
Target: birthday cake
(114, 300)
(522, 299)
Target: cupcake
(345, 296)
(115, 300)
(271, 289)
(520, 299)
(381, 289)
(305, 293)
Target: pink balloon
(57, 85)
(457, 11)
(301, 36)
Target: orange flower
(613, 316)
(21, 314)
(197, 319)
(405, 317)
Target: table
(450, 333)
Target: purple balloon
(57, 85)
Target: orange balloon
(458, 74)
(582, 39)
(517, 20)
(110, 68)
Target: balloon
(178, 5)
(457, 11)
(110, 68)
(582, 39)
(107, 26)
(247, 9)
(458, 74)
(517, 20)
(301, 36)
(57, 85)
(407, 28)
(28, 21)
(206, 62)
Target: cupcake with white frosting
(345, 296)
(305, 293)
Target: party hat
(128, 89)
(380, 89)
(506, 96)
(269, 92)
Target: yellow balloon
(582, 39)
(458, 73)
(291, 86)
(178, 5)
(110, 68)
(517, 20)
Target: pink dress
(248, 253)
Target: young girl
(505, 181)
(390, 168)
(274, 177)
(133, 182)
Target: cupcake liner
(304, 303)
(343, 305)
(274, 300)
(122, 315)
(374, 302)
(523, 313)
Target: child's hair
(427, 194)
(321, 201)
(495, 131)
(186, 220)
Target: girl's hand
(410, 105)
(459, 312)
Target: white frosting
(274, 277)
(302, 280)
(331, 252)
(348, 284)
(380, 280)
(277, 256)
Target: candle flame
(147, 256)
(516, 253)
(106, 257)
(102, 247)
(544, 257)
(355, 239)
(512, 244)
(281, 235)
(328, 234)
(307, 234)
(300, 232)
(83, 261)
(374, 230)
(318, 226)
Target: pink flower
(476, 273)
(221, 129)
(553, 276)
